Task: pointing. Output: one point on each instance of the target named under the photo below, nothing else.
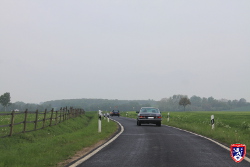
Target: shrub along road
(150, 145)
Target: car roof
(149, 107)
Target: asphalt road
(153, 146)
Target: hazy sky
(127, 50)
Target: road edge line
(225, 147)
(99, 148)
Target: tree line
(202, 104)
(173, 103)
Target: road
(153, 146)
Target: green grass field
(19, 117)
(49, 146)
(230, 127)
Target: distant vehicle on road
(149, 115)
(115, 113)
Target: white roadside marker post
(168, 116)
(100, 121)
(212, 121)
(107, 115)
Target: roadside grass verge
(230, 127)
(52, 145)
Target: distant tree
(234, 103)
(174, 101)
(242, 102)
(163, 104)
(184, 101)
(5, 99)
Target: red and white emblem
(238, 152)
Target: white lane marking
(246, 158)
(97, 150)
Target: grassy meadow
(230, 127)
(51, 145)
(19, 117)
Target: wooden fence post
(25, 120)
(44, 118)
(12, 122)
(56, 116)
(68, 114)
(51, 116)
(64, 114)
(60, 115)
(36, 119)
(72, 112)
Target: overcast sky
(126, 50)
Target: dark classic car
(115, 113)
(149, 115)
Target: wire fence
(27, 121)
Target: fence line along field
(230, 126)
(54, 146)
(21, 122)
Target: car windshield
(150, 110)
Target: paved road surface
(152, 146)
